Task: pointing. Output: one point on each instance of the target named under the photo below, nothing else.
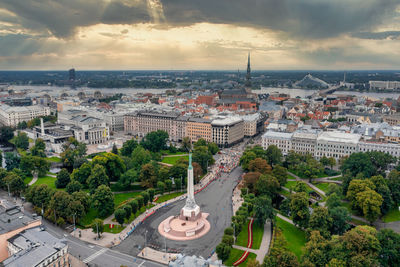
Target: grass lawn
(27, 180)
(347, 206)
(296, 238)
(123, 197)
(291, 177)
(115, 230)
(173, 160)
(54, 159)
(284, 192)
(167, 152)
(258, 232)
(235, 255)
(337, 178)
(323, 186)
(358, 222)
(134, 186)
(89, 217)
(392, 216)
(50, 181)
(164, 198)
(292, 185)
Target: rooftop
(277, 135)
(226, 121)
(36, 245)
(11, 217)
(339, 137)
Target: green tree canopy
(21, 141)
(274, 155)
(103, 200)
(63, 179)
(97, 177)
(128, 147)
(155, 141)
(299, 209)
(112, 163)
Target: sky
(199, 34)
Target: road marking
(93, 256)
(141, 263)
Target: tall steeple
(248, 74)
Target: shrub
(228, 231)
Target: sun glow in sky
(191, 34)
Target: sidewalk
(316, 189)
(157, 256)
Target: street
(216, 200)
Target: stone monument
(191, 222)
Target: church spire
(248, 74)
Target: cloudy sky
(199, 34)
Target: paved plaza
(216, 199)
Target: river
(303, 93)
(57, 90)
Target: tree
(361, 246)
(22, 125)
(114, 149)
(324, 161)
(103, 200)
(163, 174)
(15, 183)
(112, 163)
(134, 205)
(358, 163)
(213, 148)
(83, 198)
(333, 201)
(98, 227)
(223, 250)
(274, 155)
(382, 189)
(389, 254)
(128, 211)
(250, 180)
(148, 177)
(72, 150)
(82, 173)
(128, 147)
(334, 188)
(202, 156)
(146, 197)
(151, 192)
(340, 218)
(168, 185)
(63, 178)
(259, 165)
(197, 172)
(120, 215)
(301, 187)
(263, 209)
(357, 186)
(39, 148)
(370, 203)
(281, 174)
(331, 162)
(39, 195)
(128, 177)
(155, 141)
(200, 142)
(22, 141)
(267, 185)
(59, 203)
(140, 156)
(316, 251)
(228, 239)
(42, 166)
(246, 158)
(12, 160)
(97, 177)
(394, 185)
(161, 187)
(253, 263)
(140, 201)
(186, 144)
(6, 133)
(76, 209)
(73, 186)
(320, 221)
(299, 209)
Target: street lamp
(74, 221)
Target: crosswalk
(94, 255)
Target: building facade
(228, 131)
(12, 116)
(280, 139)
(198, 128)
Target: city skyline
(192, 35)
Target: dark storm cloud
(13, 45)
(377, 35)
(297, 18)
(302, 18)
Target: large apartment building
(334, 144)
(227, 131)
(12, 115)
(199, 128)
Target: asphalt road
(216, 200)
